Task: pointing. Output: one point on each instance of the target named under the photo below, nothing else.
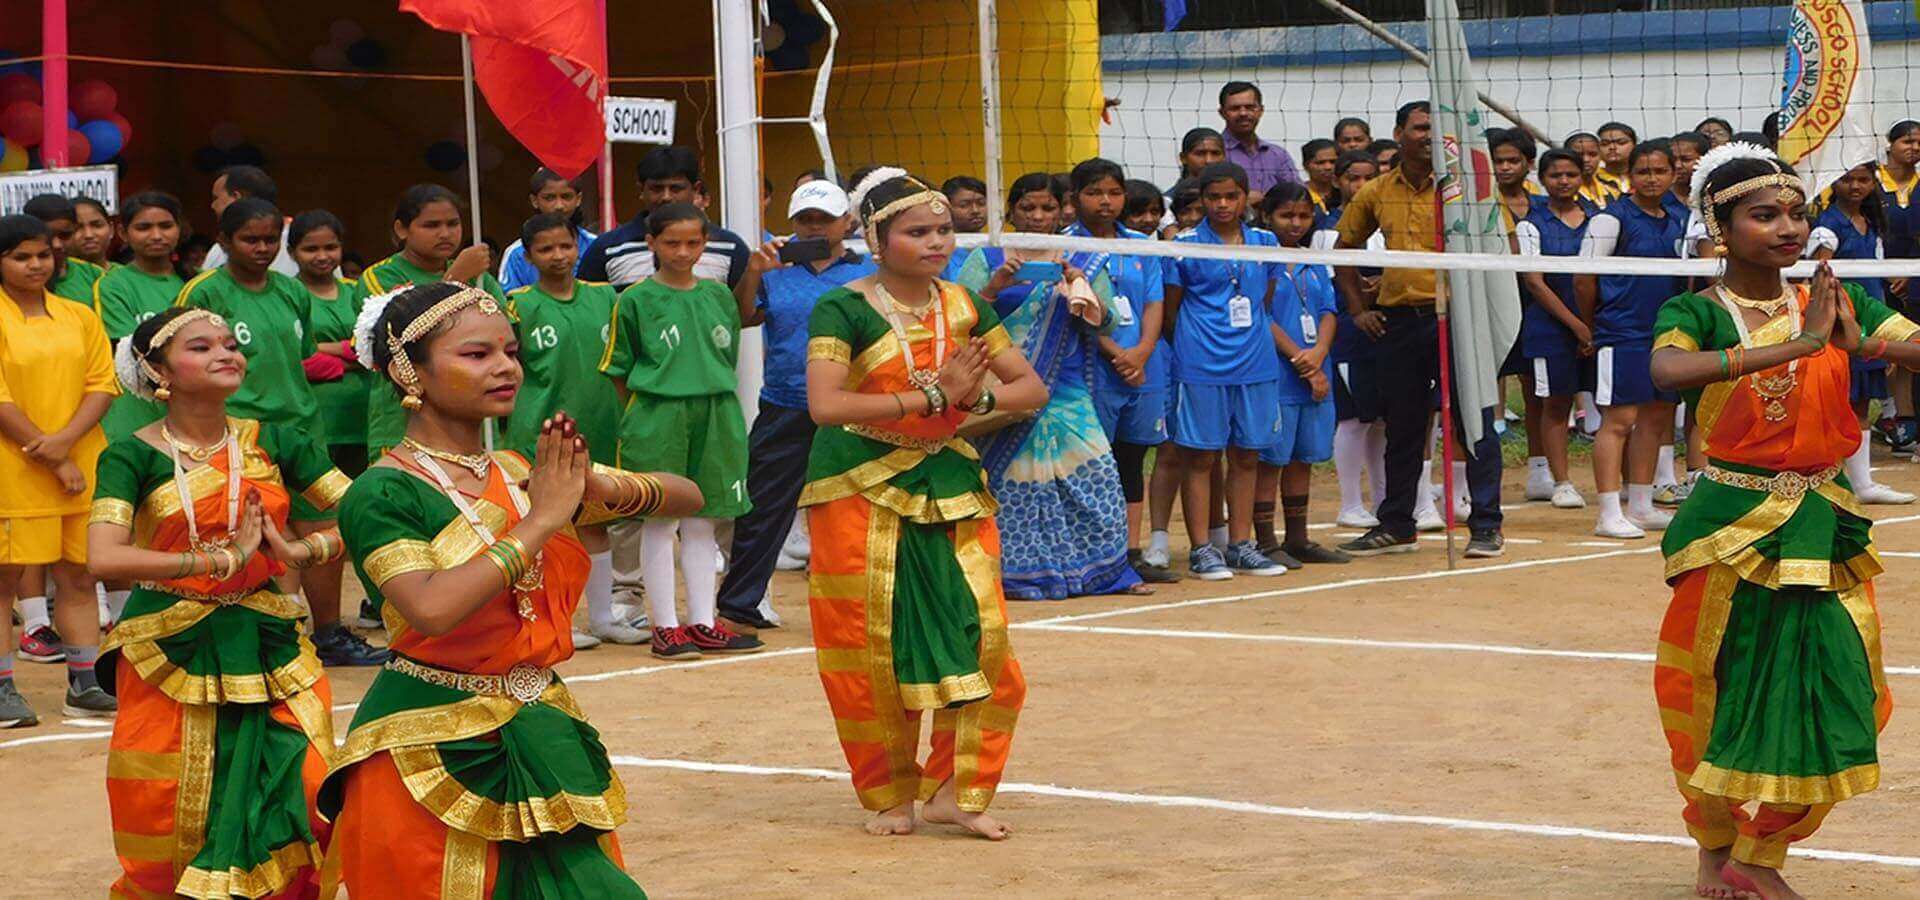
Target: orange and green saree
(1768, 670)
(904, 588)
(469, 771)
(225, 726)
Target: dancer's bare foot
(898, 820)
(945, 810)
(1709, 883)
(1757, 881)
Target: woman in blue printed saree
(1062, 513)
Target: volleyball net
(1132, 80)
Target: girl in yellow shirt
(56, 381)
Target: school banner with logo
(1483, 308)
(542, 67)
(1826, 103)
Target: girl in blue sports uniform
(1636, 419)
(1849, 228)
(1554, 339)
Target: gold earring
(161, 393)
(411, 401)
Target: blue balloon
(104, 138)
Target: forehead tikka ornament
(165, 334)
(1792, 193)
(401, 368)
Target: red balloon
(21, 123)
(18, 86)
(120, 122)
(79, 149)
(94, 99)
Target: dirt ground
(1383, 727)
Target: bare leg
(1708, 883)
(1643, 445)
(1553, 434)
(76, 611)
(1756, 881)
(1243, 474)
(888, 822)
(1196, 493)
(943, 809)
(1610, 447)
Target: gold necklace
(1769, 308)
(196, 453)
(477, 463)
(916, 376)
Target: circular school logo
(1823, 62)
(722, 338)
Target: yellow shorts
(43, 540)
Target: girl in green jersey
(428, 231)
(563, 324)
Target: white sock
(1350, 461)
(1460, 492)
(600, 589)
(1859, 467)
(1640, 499)
(1537, 471)
(1426, 475)
(1423, 498)
(1377, 462)
(656, 570)
(1157, 551)
(1663, 469)
(117, 604)
(1218, 537)
(33, 613)
(1610, 506)
(697, 547)
(1589, 412)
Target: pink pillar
(53, 81)
(608, 216)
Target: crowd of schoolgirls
(1213, 383)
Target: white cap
(818, 194)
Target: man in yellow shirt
(1402, 324)
(56, 381)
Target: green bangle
(1725, 365)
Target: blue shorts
(1559, 375)
(1131, 417)
(1356, 390)
(1868, 384)
(1623, 376)
(1306, 434)
(1218, 416)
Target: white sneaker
(1157, 557)
(1540, 489)
(719, 564)
(632, 615)
(617, 633)
(766, 611)
(1566, 496)
(1428, 519)
(1618, 528)
(789, 563)
(1880, 493)
(1651, 520)
(1356, 517)
(584, 641)
(1462, 509)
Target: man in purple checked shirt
(1266, 164)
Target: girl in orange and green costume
(1768, 673)
(469, 771)
(908, 614)
(225, 725)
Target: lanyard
(528, 582)
(186, 498)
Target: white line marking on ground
(721, 661)
(1179, 801)
(50, 738)
(1595, 544)
(1320, 640)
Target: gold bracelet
(510, 555)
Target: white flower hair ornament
(874, 179)
(1720, 156)
(126, 368)
(370, 313)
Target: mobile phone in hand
(804, 250)
(1038, 270)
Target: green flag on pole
(1483, 307)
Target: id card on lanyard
(1239, 306)
(1309, 326)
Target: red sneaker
(41, 645)
(717, 638)
(674, 643)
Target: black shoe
(721, 639)
(1486, 544)
(1312, 553)
(750, 618)
(1378, 541)
(1280, 556)
(368, 617)
(1898, 434)
(89, 702)
(674, 643)
(339, 647)
(1149, 572)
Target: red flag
(542, 67)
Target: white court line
(722, 661)
(1319, 640)
(1595, 544)
(1179, 801)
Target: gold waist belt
(1790, 485)
(924, 445)
(523, 682)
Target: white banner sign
(639, 120)
(102, 183)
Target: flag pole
(1440, 291)
(473, 161)
(608, 215)
(53, 86)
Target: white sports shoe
(1462, 509)
(584, 641)
(633, 615)
(1880, 493)
(1566, 496)
(617, 633)
(1652, 520)
(1620, 528)
(1428, 519)
(1540, 488)
(1356, 517)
